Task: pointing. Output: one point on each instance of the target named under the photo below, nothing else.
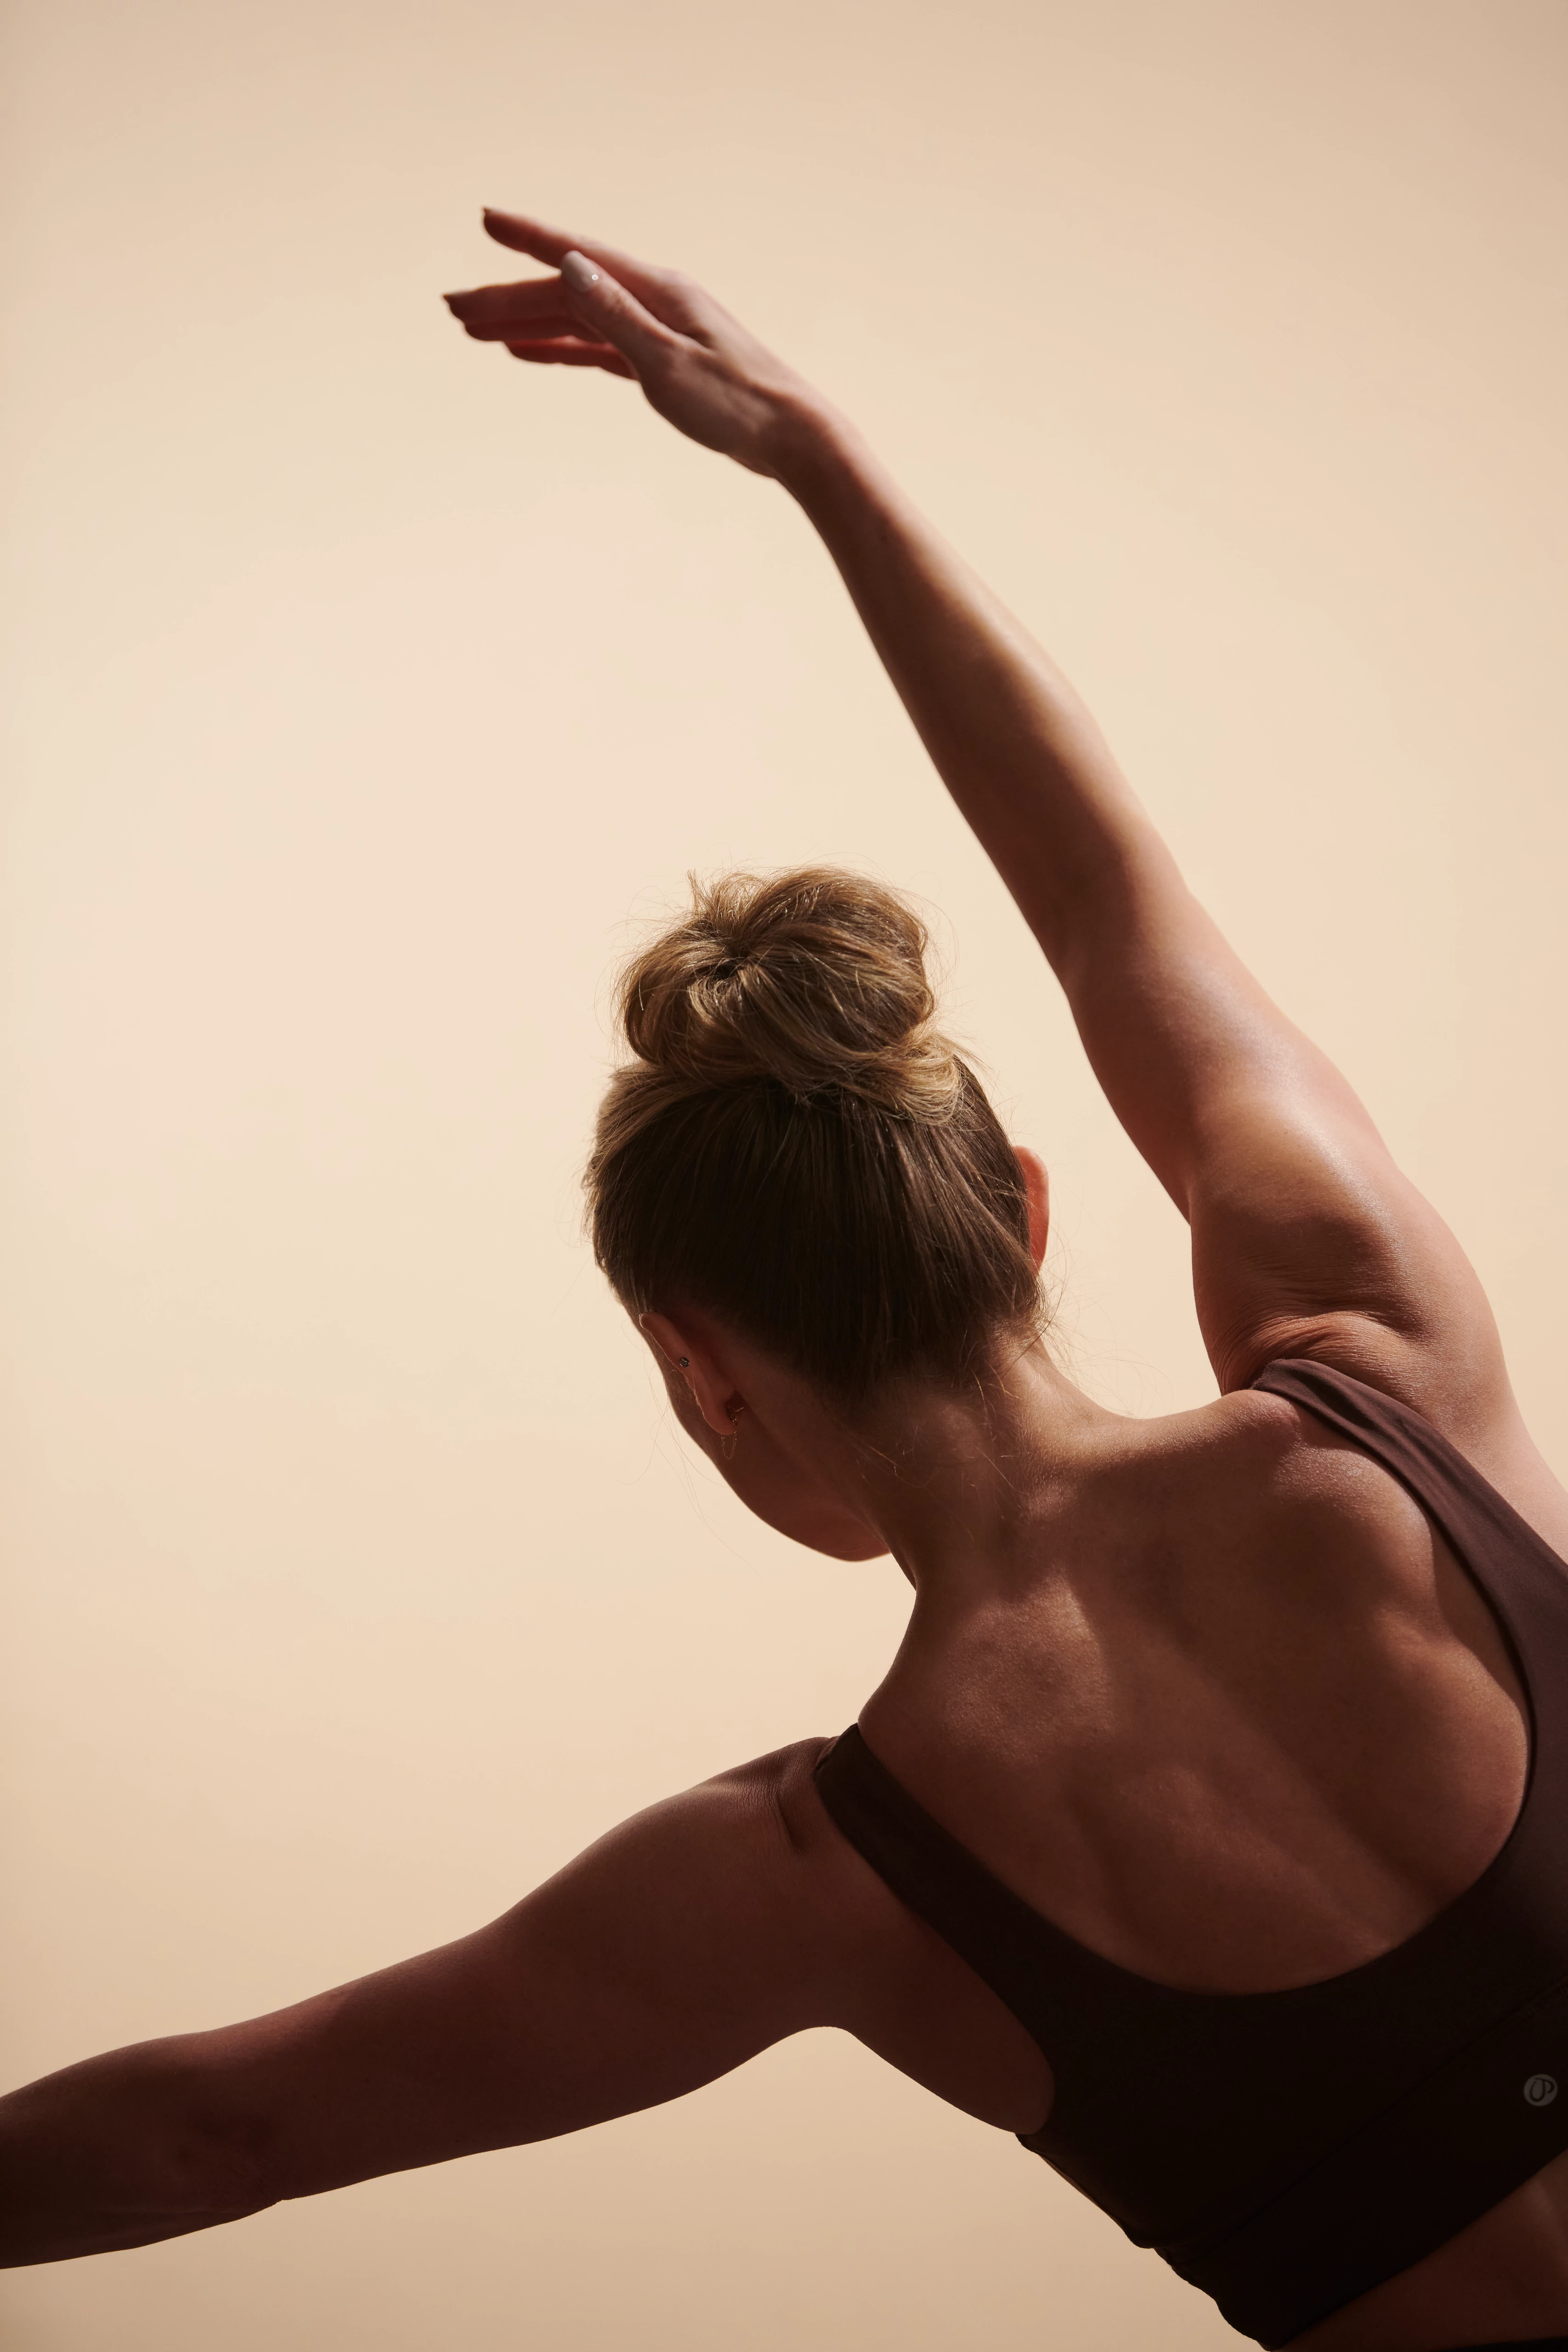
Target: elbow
(225, 2166)
(126, 2149)
(210, 2159)
(64, 2212)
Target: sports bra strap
(994, 1929)
(1518, 1571)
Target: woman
(1205, 1830)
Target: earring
(685, 1362)
(727, 1445)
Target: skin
(1208, 1691)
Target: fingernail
(579, 272)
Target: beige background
(364, 688)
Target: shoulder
(1249, 1445)
(1451, 1372)
(855, 1910)
(779, 1791)
(775, 1806)
(767, 1784)
(777, 1794)
(1255, 1484)
(897, 1985)
(1469, 1404)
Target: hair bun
(813, 978)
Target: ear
(684, 1356)
(1038, 1186)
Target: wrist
(811, 446)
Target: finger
(510, 326)
(607, 312)
(531, 301)
(563, 353)
(552, 245)
(529, 236)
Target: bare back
(1230, 1713)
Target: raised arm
(1306, 1238)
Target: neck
(947, 1479)
(941, 1479)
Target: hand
(697, 366)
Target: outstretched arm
(1306, 1238)
(673, 1950)
(687, 1940)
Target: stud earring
(685, 1362)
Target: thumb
(603, 303)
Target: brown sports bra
(1287, 2151)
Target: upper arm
(1305, 1235)
(690, 1938)
(1307, 1238)
(671, 1951)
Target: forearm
(119, 2152)
(1020, 754)
(1170, 1019)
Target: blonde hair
(795, 1146)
